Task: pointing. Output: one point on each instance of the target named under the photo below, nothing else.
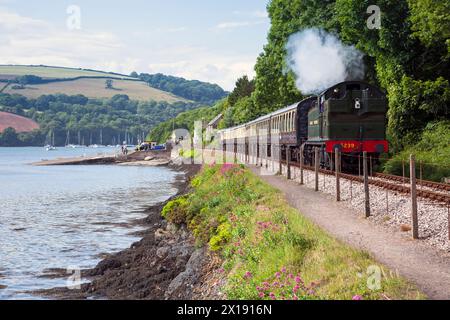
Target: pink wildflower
(357, 297)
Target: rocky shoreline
(164, 264)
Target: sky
(207, 40)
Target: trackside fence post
(192, 151)
(288, 162)
(366, 185)
(301, 166)
(280, 160)
(337, 166)
(224, 155)
(448, 217)
(316, 167)
(412, 175)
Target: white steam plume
(320, 60)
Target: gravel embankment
(388, 208)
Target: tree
(108, 84)
(8, 137)
(243, 88)
(134, 74)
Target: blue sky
(215, 41)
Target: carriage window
(293, 120)
(290, 122)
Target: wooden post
(192, 151)
(316, 165)
(338, 183)
(403, 170)
(235, 153)
(288, 162)
(203, 152)
(257, 154)
(280, 160)
(448, 216)
(301, 165)
(412, 174)
(366, 185)
(224, 156)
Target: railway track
(423, 183)
(390, 182)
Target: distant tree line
(237, 108)
(107, 121)
(202, 92)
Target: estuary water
(66, 217)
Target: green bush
(432, 154)
(175, 210)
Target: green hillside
(9, 72)
(95, 88)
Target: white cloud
(25, 40)
(202, 64)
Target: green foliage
(9, 138)
(413, 104)
(202, 92)
(244, 88)
(112, 118)
(432, 153)
(431, 22)
(222, 237)
(29, 79)
(185, 120)
(108, 84)
(175, 210)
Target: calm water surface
(67, 216)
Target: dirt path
(426, 267)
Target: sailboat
(51, 147)
(73, 146)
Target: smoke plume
(320, 60)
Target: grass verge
(271, 251)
